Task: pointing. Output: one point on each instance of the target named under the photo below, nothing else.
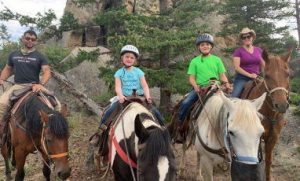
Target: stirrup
(94, 140)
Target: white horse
(227, 129)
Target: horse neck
(212, 127)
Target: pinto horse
(36, 127)
(140, 149)
(276, 84)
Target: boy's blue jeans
(238, 84)
(191, 98)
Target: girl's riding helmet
(130, 48)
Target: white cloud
(30, 8)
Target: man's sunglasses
(246, 37)
(28, 39)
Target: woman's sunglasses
(246, 37)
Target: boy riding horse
(201, 69)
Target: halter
(275, 89)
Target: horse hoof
(9, 177)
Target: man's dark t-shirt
(27, 68)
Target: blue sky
(29, 7)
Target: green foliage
(297, 111)
(103, 97)
(4, 35)
(55, 55)
(68, 22)
(295, 85)
(40, 21)
(260, 15)
(163, 37)
(295, 98)
(90, 56)
(5, 50)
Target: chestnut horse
(36, 127)
(276, 84)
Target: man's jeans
(191, 98)
(238, 84)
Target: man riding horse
(26, 64)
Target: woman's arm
(237, 67)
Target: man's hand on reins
(37, 87)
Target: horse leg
(206, 166)
(182, 161)
(199, 175)
(20, 157)
(47, 171)
(271, 141)
(5, 154)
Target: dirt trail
(286, 163)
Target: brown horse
(276, 84)
(36, 127)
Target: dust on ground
(286, 165)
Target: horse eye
(231, 133)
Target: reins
(222, 151)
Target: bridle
(43, 142)
(274, 89)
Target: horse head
(244, 133)
(277, 80)
(55, 141)
(155, 159)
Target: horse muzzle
(64, 174)
(247, 172)
(281, 107)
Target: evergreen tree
(260, 15)
(160, 39)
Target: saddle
(192, 115)
(249, 87)
(103, 142)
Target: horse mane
(158, 143)
(244, 115)
(30, 111)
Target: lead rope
(39, 153)
(127, 152)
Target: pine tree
(260, 15)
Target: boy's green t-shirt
(204, 68)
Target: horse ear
(44, 116)
(64, 110)
(265, 55)
(287, 56)
(257, 103)
(227, 102)
(140, 131)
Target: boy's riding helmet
(205, 38)
(130, 48)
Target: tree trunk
(165, 94)
(89, 103)
(298, 20)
